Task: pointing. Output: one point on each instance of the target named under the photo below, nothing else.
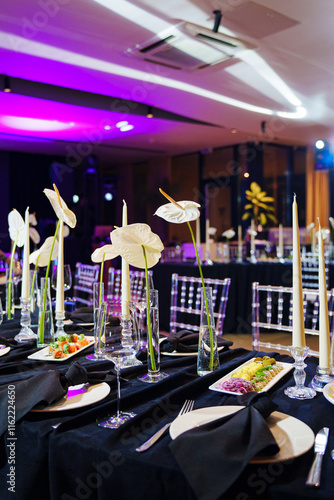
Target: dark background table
(80, 460)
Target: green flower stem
(100, 298)
(102, 322)
(148, 313)
(204, 295)
(42, 315)
(9, 289)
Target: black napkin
(186, 341)
(86, 315)
(44, 388)
(213, 455)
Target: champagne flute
(138, 307)
(118, 356)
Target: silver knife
(321, 438)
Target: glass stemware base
(299, 391)
(152, 377)
(322, 377)
(114, 421)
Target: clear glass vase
(45, 331)
(9, 295)
(153, 374)
(207, 360)
(98, 300)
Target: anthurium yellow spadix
(59, 206)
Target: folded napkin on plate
(86, 315)
(185, 341)
(46, 388)
(213, 455)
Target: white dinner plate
(293, 436)
(43, 354)
(4, 350)
(286, 368)
(78, 396)
(328, 392)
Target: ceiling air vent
(187, 46)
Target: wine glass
(118, 356)
(67, 277)
(138, 306)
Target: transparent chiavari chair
(185, 308)
(84, 278)
(272, 310)
(137, 285)
(310, 269)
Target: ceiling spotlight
(233, 131)
(107, 127)
(6, 84)
(320, 144)
(246, 174)
(75, 198)
(125, 128)
(122, 124)
(149, 112)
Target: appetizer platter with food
(256, 374)
(63, 348)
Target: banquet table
(79, 460)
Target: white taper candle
(25, 290)
(298, 328)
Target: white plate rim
(326, 390)
(4, 350)
(93, 394)
(286, 368)
(288, 431)
(42, 354)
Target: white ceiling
(47, 45)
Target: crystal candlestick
(129, 358)
(299, 391)
(26, 332)
(60, 316)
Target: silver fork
(188, 405)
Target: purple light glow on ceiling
(34, 124)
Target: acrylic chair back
(310, 269)
(185, 308)
(272, 311)
(137, 285)
(84, 278)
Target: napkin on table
(186, 341)
(46, 388)
(86, 315)
(213, 455)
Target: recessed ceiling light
(107, 127)
(121, 124)
(233, 131)
(126, 128)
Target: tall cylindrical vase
(98, 300)
(45, 331)
(153, 346)
(9, 295)
(207, 360)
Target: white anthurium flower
(212, 231)
(252, 232)
(229, 233)
(16, 227)
(59, 206)
(42, 255)
(107, 252)
(129, 241)
(310, 226)
(179, 212)
(325, 234)
(34, 235)
(32, 219)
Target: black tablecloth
(80, 460)
(238, 311)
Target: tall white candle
(207, 238)
(239, 242)
(252, 242)
(198, 233)
(280, 239)
(324, 336)
(60, 309)
(298, 328)
(25, 290)
(125, 272)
